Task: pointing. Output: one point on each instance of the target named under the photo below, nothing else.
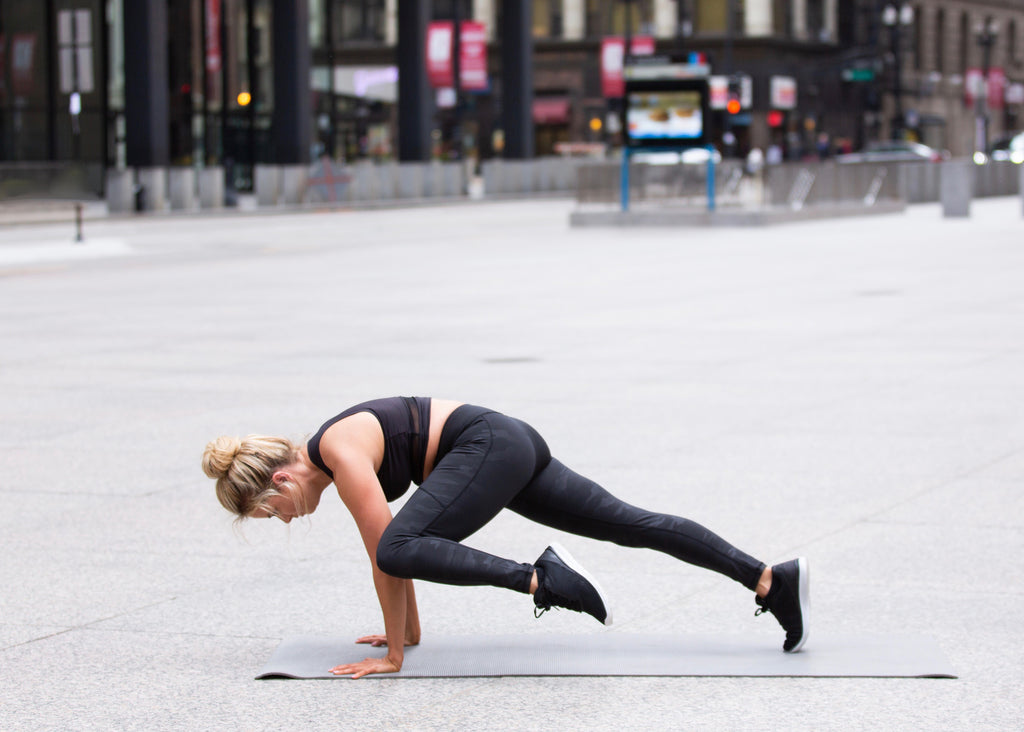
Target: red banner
(213, 61)
(613, 83)
(439, 54)
(472, 55)
(973, 81)
(996, 88)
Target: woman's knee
(393, 554)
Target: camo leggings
(488, 461)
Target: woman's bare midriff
(440, 410)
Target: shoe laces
(762, 606)
(550, 599)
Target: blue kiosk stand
(666, 110)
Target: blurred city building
(233, 83)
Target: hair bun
(219, 456)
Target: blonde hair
(244, 470)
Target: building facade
(949, 73)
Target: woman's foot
(789, 600)
(563, 582)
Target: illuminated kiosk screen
(671, 118)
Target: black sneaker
(564, 583)
(789, 600)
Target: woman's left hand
(382, 640)
(367, 666)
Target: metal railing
(791, 185)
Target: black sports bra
(406, 425)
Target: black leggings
(490, 462)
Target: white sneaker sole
(805, 601)
(575, 566)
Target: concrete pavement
(850, 390)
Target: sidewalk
(18, 212)
(849, 391)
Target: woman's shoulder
(354, 438)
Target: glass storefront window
(357, 20)
(547, 18)
(604, 19)
(247, 100)
(712, 16)
(23, 102)
(445, 9)
(39, 121)
(317, 27)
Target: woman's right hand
(368, 666)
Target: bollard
(955, 187)
(78, 223)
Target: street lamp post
(896, 19)
(986, 34)
(684, 27)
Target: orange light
(733, 106)
(244, 98)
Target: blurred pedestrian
(824, 146)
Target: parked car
(887, 151)
(1009, 148)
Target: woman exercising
(469, 463)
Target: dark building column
(517, 77)
(147, 108)
(293, 117)
(415, 104)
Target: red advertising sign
(718, 89)
(783, 92)
(613, 51)
(472, 55)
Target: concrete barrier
(211, 188)
(181, 183)
(410, 183)
(154, 188)
(387, 181)
(956, 188)
(364, 182)
(452, 180)
(267, 184)
(120, 190)
(293, 184)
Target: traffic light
(733, 104)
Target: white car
(1009, 148)
(887, 151)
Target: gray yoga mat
(622, 654)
